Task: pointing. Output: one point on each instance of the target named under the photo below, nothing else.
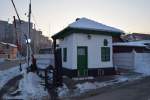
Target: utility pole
(29, 19)
(28, 35)
(17, 43)
(16, 11)
(17, 38)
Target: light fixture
(28, 41)
(89, 36)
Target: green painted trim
(105, 42)
(105, 54)
(65, 54)
(85, 67)
(67, 31)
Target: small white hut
(86, 48)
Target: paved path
(137, 90)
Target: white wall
(67, 42)
(94, 50)
(124, 60)
(140, 62)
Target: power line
(16, 11)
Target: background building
(38, 41)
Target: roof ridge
(86, 23)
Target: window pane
(81, 51)
(105, 42)
(105, 53)
(64, 54)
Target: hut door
(82, 61)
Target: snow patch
(31, 88)
(63, 91)
(86, 86)
(7, 75)
(83, 78)
(137, 44)
(122, 79)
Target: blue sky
(53, 15)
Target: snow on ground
(63, 91)
(84, 87)
(82, 78)
(31, 88)
(87, 86)
(7, 75)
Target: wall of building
(8, 35)
(124, 60)
(8, 51)
(67, 42)
(94, 50)
(139, 62)
(3, 27)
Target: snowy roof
(143, 41)
(85, 23)
(136, 43)
(12, 45)
(88, 26)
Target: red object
(33, 59)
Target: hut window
(105, 42)
(105, 53)
(64, 54)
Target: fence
(4, 56)
(45, 59)
(132, 60)
(124, 60)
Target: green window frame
(65, 54)
(105, 53)
(105, 42)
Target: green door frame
(82, 61)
